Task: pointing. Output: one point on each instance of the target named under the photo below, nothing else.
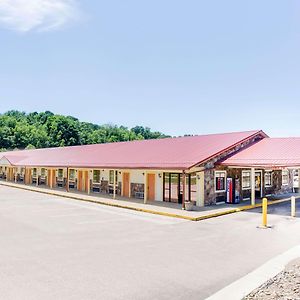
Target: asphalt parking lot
(58, 248)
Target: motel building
(192, 171)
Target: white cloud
(38, 15)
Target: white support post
(50, 178)
(68, 180)
(37, 176)
(114, 187)
(16, 174)
(145, 187)
(252, 186)
(129, 183)
(200, 188)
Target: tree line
(19, 130)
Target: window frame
(72, 178)
(271, 178)
(282, 176)
(247, 188)
(34, 173)
(62, 173)
(96, 182)
(43, 173)
(192, 193)
(114, 173)
(225, 180)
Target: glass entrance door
(172, 187)
(258, 184)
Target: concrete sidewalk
(157, 208)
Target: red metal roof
(269, 152)
(170, 153)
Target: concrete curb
(244, 286)
(161, 213)
(239, 209)
(82, 198)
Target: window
(220, 181)
(43, 172)
(72, 174)
(285, 177)
(173, 187)
(192, 187)
(34, 172)
(96, 176)
(246, 180)
(111, 176)
(167, 187)
(60, 173)
(268, 178)
(295, 179)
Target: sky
(179, 67)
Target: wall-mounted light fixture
(159, 175)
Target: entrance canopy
(268, 153)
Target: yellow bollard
(293, 207)
(264, 212)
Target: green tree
(62, 131)
(19, 130)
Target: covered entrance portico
(273, 165)
(263, 181)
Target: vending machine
(237, 191)
(229, 189)
(233, 190)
